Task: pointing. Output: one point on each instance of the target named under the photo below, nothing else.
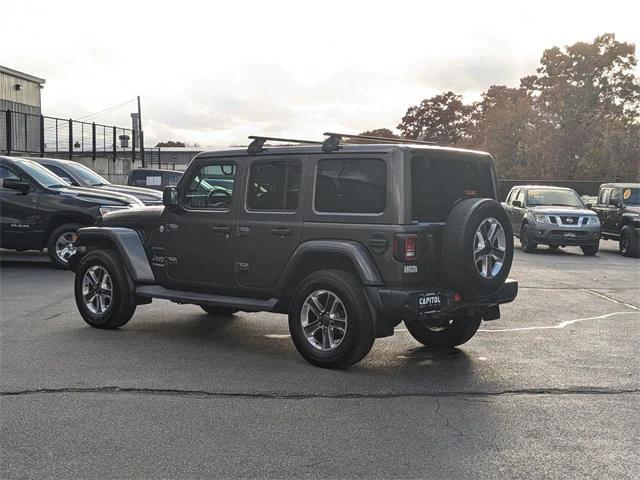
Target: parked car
(156, 178)
(553, 216)
(348, 240)
(80, 175)
(618, 207)
(40, 210)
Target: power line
(91, 116)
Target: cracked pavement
(177, 394)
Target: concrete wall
(116, 171)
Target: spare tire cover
(477, 246)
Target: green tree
(376, 132)
(170, 143)
(441, 119)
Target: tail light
(405, 247)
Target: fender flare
(128, 244)
(356, 253)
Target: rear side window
(274, 186)
(351, 185)
(439, 180)
(603, 199)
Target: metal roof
(25, 76)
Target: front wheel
(629, 244)
(528, 245)
(103, 295)
(590, 250)
(329, 320)
(455, 331)
(60, 245)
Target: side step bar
(246, 304)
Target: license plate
(431, 302)
(569, 235)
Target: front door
(270, 224)
(517, 213)
(200, 231)
(19, 211)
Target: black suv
(40, 210)
(619, 210)
(348, 240)
(80, 175)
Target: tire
(358, 337)
(528, 245)
(121, 306)
(218, 311)
(590, 250)
(464, 233)
(57, 236)
(461, 329)
(629, 242)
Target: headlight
(111, 208)
(543, 219)
(593, 220)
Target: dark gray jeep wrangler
(348, 240)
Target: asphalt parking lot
(551, 390)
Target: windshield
(41, 175)
(559, 198)
(631, 196)
(86, 175)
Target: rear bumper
(395, 304)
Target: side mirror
(517, 203)
(15, 184)
(69, 181)
(170, 196)
(589, 206)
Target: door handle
(221, 229)
(243, 231)
(281, 231)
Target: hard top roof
(344, 148)
(621, 185)
(544, 187)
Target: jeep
(619, 210)
(349, 240)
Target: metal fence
(25, 133)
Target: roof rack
(258, 142)
(333, 142)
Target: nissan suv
(553, 216)
(347, 240)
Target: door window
(274, 186)
(603, 199)
(520, 197)
(354, 185)
(615, 197)
(210, 187)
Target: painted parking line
(557, 326)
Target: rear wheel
(455, 331)
(629, 244)
(329, 320)
(218, 311)
(103, 294)
(60, 245)
(590, 250)
(528, 245)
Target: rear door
(19, 211)
(270, 221)
(603, 205)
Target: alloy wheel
(324, 320)
(64, 246)
(97, 289)
(489, 248)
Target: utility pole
(141, 136)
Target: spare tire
(477, 246)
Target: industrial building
(20, 92)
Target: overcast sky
(214, 72)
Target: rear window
(351, 185)
(439, 180)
